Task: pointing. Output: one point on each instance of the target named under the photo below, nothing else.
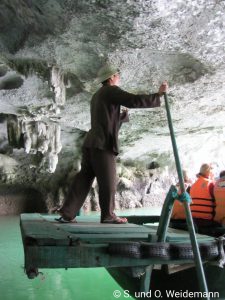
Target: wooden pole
(195, 248)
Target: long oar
(197, 257)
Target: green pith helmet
(106, 72)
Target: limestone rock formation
(50, 52)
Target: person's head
(186, 176)
(205, 170)
(222, 174)
(108, 75)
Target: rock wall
(50, 52)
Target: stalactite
(14, 131)
(58, 85)
(36, 136)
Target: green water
(57, 284)
(79, 284)
(60, 284)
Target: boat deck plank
(50, 244)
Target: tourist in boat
(219, 194)
(202, 194)
(100, 147)
(203, 203)
(178, 212)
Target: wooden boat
(170, 280)
(127, 251)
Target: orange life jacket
(178, 211)
(203, 204)
(219, 194)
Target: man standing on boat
(100, 147)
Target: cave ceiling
(51, 50)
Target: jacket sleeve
(121, 97)
(124, 117)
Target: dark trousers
(95, 163)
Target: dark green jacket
(106, 117)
